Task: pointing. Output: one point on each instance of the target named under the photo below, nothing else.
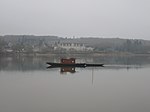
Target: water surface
(26, 85)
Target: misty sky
(97, 18)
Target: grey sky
(101, 18)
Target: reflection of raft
(71, 63)
(67, 69)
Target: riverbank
(74, 54)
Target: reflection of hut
(68, 61)
(67, 69)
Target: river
(122, 85)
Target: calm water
(123, 85)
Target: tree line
(31, 44)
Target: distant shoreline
(95, 54)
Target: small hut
(68, 61)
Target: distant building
(71, 46)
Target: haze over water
(122, 85)
(26, 85)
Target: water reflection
(67, 70)
(64, 70)
(39, 63)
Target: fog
(67, 18)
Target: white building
(71, 46)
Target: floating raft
(73, 65)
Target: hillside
(45, 43)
